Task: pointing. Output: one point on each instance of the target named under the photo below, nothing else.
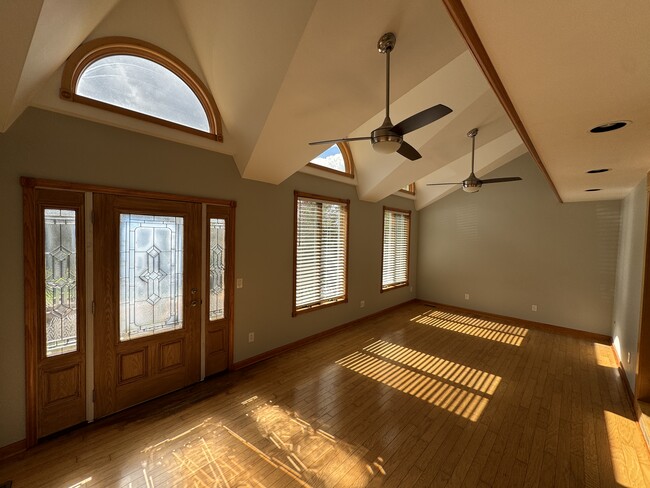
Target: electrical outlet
(629, 357)
(466, 296)
(240, 282)
(251, 337)
(362, 303)
(534, 308)
(411, 289)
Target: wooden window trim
(344, 299)
(91, 51)
(347, 159)
(63, 185)
(410, 191)
(383, 289)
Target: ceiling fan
(472, 184)
(388, 138)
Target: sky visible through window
(331, 158)
(143, 86)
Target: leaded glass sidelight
(217, 267)
(60, 281)
(151, 275)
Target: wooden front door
(147, 277)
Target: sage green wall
(513, 245)
(629, 278)
(48, 145)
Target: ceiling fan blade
(408, 151)
(438, 184)
(345, 139)
(500, 180)
(421, 119)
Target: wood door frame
(642, 374)
(30, 252)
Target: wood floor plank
(420, 396)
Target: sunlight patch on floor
(82, 483)
(604, 356)
(460, 374)
(456, 388)
(268, 445)
(485, 329)
(320, 458)
(624, 460)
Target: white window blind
(321, 251)
(395, 263)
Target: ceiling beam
(464, 24)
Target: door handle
(194, 303)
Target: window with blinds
(321, 248)
(395, 262)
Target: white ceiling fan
(388, 138)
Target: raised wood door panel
(136, 362)
(220, 284)
(55, 310)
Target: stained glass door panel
(219, 279)
(147, 286)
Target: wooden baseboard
(13, 449)
(313, 338)
(555, 329)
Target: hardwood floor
(417, 397)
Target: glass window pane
(331, 158)
(60, 281)
(320, 252)
(151, 275)
(396, 249)
(217, 267)
(143, 86)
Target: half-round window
(136, 78)
(336, 159)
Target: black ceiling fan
(472, 184)
(389, 138)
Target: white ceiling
(287, 72)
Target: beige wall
(513, 245)
(629, 278)
(46, 145)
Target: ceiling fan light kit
(389, 138)
(472, 184)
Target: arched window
(336, 159)
(136, 78)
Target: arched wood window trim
(410, 191)
(347, 159)
(91, 51)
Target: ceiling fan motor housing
(385, 140)
(472, 184)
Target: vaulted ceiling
(287, 72)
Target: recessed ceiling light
(601, 170)
(609, 126)
(593, 189)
